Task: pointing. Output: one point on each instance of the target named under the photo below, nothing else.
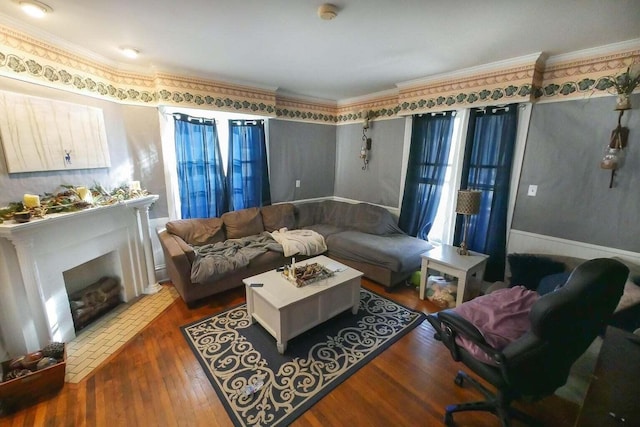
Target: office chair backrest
(563, 325)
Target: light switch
(297, 183)
(533, 190)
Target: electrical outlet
(533, 190)
(297, 183)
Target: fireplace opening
(93, 289)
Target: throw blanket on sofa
(303, 242)
(215, 260)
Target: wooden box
(30, 388)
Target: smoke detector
(328, 11)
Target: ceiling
(284, 45)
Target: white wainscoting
(526, 242)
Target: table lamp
(468, 204)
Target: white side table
(446, 260)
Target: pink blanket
(501, 316)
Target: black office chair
(563, 324)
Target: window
(167, 130)
(444, 223)
(427, 166)
(247, 170)
(201, 180)
(461, 172)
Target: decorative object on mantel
(468, 204)
(22, 216)
(70, 200)
(624, 85)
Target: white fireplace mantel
(34, 306)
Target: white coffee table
(286, 311)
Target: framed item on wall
(40, 134)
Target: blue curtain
(200, 174)
(487, 167)
(247, 174)
(428, 156)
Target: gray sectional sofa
(362, 235)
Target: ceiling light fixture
(130, 52)
(327, 11)
(35, 9)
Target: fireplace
(39, 257)
(94, 289)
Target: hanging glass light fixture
(624, 85)
(614, 151)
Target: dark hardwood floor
(155, 380)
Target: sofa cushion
(528, 270)
(275, 217)
(188, 250)
(198, 231)
(363, 217)
(397, 252)
(243, 223)
(372, 219)
(333, 213)
(306, 214)
(325, 229)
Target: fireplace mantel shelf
(35, 256)
(36, 224)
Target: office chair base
(498, 404)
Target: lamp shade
(468, 202)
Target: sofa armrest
(178, 262)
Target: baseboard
(526, 242)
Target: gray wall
(142, 129)
(301, 151)
(380, 183)
(564, 147)
(133, 135)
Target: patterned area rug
(238, 356)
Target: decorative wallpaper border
(25, 58)
(31, 60)
(295, 109)
(507, 85)
(381, 107)
(585, 76)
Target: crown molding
(37, 34)
(294, 97)
(492, 67)
(599, 51)
(365, 99)
(32, 55)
